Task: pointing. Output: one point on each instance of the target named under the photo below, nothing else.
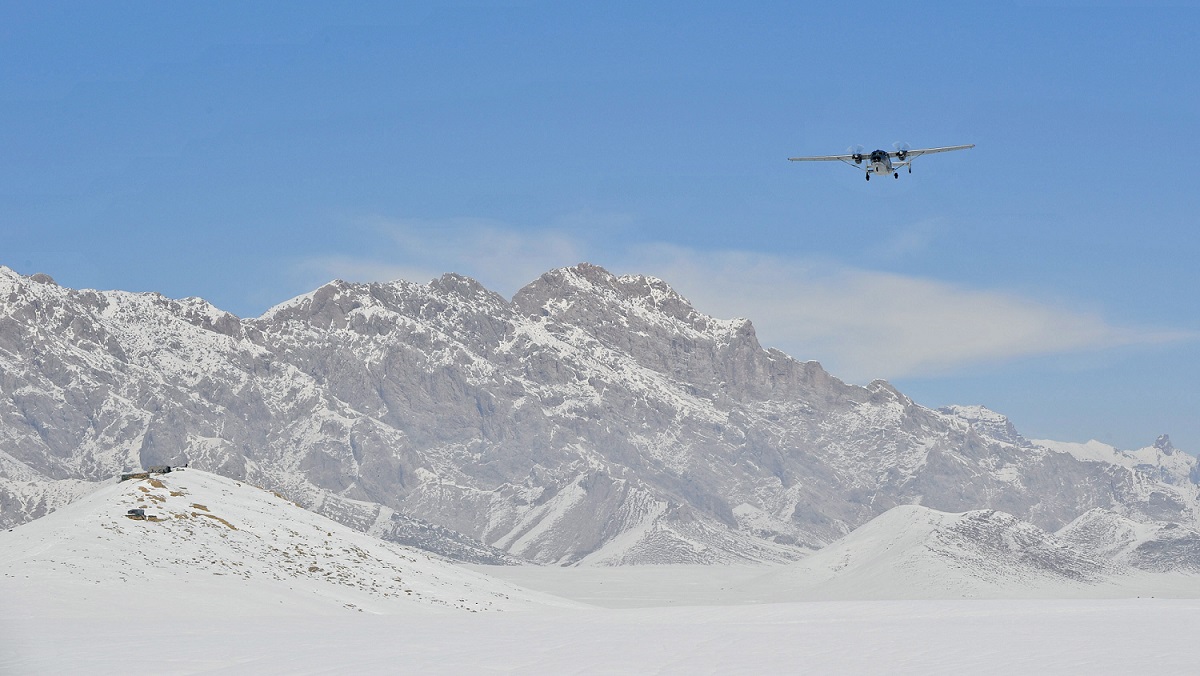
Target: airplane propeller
(901, 150)
(857, 151)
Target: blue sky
(246, 153)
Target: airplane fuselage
(879, 162)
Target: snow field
(901, 637)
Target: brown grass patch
(143, 489)
(199, 506)
(157, 484)
(214, 517)
(176, 494)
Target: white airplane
(880, 161)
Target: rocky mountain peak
(589, 296)
(1163, 443)
(15, 287)
(589, 281)
(565, 287)
(888, 391)
(987, 422)
(327, 300)
(465, 287)
(205, 315)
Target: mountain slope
(591, 418)
(915, 552)
(1151, 546)
(248, 549)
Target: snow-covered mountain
(592, 418)
(1161, 460)
(211, 541)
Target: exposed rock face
(592, 418)
(1153, 546)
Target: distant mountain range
(590, 419)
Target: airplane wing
(823, 158)
(917, 152)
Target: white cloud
(861, 324)
(864, 324)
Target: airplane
(880, 161)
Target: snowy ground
(672, 586)
(235, 580)
(675, 620)
(902, 637)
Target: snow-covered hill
(214, 544)
(592, 418)
(1152, 546)
(915, 552)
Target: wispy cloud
(866, 324)
(860, 323)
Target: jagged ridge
(593, 418)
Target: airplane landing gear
(868, 176)
(897, 174)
